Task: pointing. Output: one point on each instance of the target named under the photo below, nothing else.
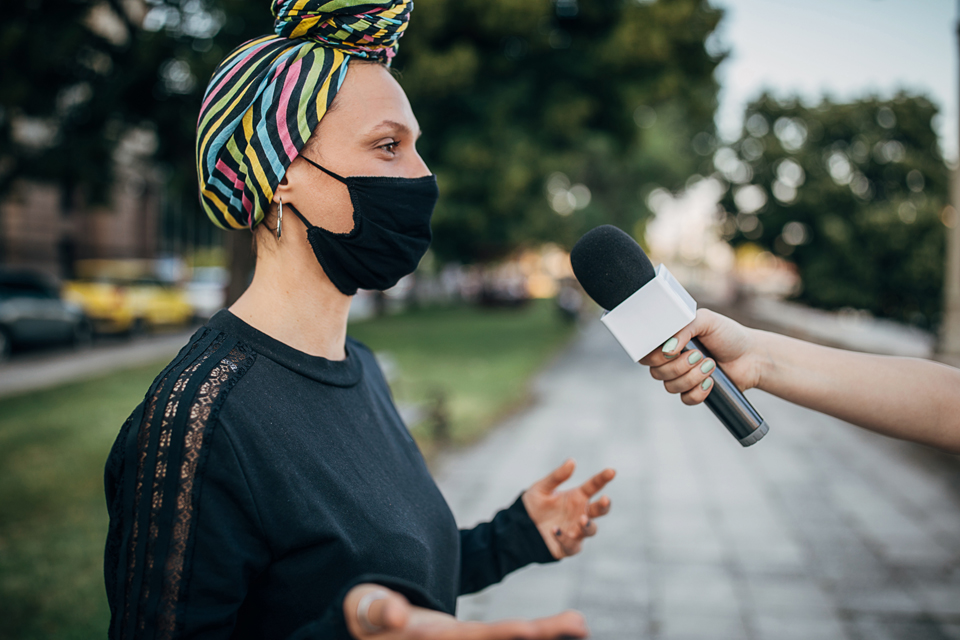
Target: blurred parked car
(569, 299)
(104, 302)
(130, 306)
(126, 296)
(158, 304)
(207, 290)
(32, 312)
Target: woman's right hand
(399, 620)
(734, 347)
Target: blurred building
(48, 227)
(43, 227)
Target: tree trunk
(950, 327)
(242, 260)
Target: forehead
(369, 96)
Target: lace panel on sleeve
(177, 422)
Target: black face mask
(391, 231)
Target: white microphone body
(654, 313)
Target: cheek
(331, 209)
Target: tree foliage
(80, 75)
(851, 193)
(607, 95)
(603, 96)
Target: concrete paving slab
(800, 627)
(820, 530)
(889, 628)
(698, 627)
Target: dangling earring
(280, 219)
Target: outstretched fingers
(599, 507)
(569, 624)
(556, 477)
(595, 484)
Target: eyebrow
(393, 126)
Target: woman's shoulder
(156, 467)
(201, 374)
(372, 363)
(360, 348)
(183, 402)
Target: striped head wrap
(267, 97)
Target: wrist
(550, 550)
(761, 356)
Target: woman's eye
(390, 147)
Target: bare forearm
(904, 398)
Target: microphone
(646, 306)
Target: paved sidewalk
(820, 531)
(31, 372)
(849, 330)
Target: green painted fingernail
(707, 366)
(670, 345)
(706, 384)
(694, 357)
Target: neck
(293, 301)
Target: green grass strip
(480, 360)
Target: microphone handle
(730, 405)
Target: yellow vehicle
(119, 297)
(157, 304)
(105, 303)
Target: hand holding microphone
(645, 308)
(904, 398)
(730, 344)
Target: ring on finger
(363, 610)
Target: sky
(842, 48)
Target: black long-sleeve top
(255, 484)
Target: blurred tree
(544, 118)
(851, 193)
(80, 76)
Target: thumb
(556, 477)
(391, 613)
(371, 609)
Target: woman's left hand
(565, 518)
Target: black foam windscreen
(610, 265)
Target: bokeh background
(791, 162)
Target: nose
(418, 168)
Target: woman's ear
(283, 192)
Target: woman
(902, 398)
(266, 486)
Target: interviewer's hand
(565, 518)
(733, 345)
(399, 620)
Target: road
(820, 531)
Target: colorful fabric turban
(266, 98)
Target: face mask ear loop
(300, 215)
(326, 171)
